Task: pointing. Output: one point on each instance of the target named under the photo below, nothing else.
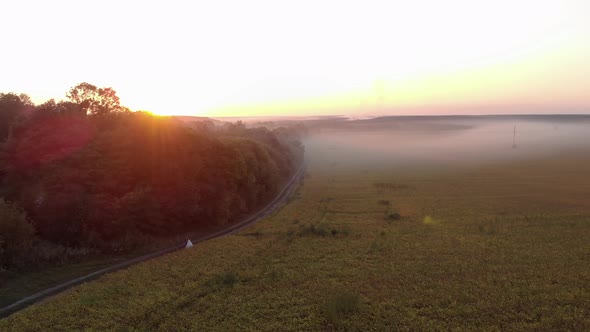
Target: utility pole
(514, 138)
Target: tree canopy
(12, 106)
(94, 100)
(112, 183)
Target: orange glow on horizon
(306, 58)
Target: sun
(158, 103)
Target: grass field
(31, 283)
(370, 246)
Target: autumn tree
(94, 100)
(11, 107)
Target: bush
(311, 230)
(321, 230)
(393, 215)
(227, 279)
(45, 253)
(16, 235)
(257, 234)
(390, 185)
(341, 305)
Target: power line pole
(514, 138)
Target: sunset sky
(360, 58)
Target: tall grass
(341, 306)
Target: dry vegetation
(497, 247)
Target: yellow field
(497, 246)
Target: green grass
(486, 248)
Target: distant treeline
(87, 175)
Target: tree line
(87, 175)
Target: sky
(268, 58)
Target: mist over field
(446, 141)
(399, 223)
